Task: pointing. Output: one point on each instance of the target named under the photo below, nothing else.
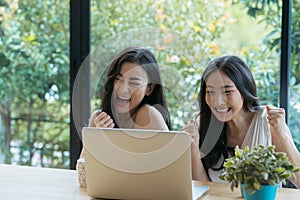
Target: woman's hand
(99, 119)
(279, 129)
(276, 117)
(103, 120)
(192, 128)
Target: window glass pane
(294, 109)
(34, 82)
(190, 34)
(185, 35)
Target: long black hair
(213, 141)
(148, 62)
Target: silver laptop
(138, 164)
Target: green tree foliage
(34, 79)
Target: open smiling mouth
(222, 110)
(122, 99)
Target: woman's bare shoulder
(148, 117)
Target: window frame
(80, 48)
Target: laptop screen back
(137, 164)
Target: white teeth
(123, 99)
(222, 110)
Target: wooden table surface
(21, 182)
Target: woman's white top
(258, 133)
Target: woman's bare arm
(198, 171)
(282, 138)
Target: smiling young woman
(230, 116)
(132, 96)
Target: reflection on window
(185, 35)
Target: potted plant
(258, 171)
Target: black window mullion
(79, 50)
(285, 57)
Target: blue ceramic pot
(268, 192)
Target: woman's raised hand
(192, 128)
(103, 120)
(278, 127)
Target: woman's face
(222, 96)
(130, 87)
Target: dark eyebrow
(135, 79)
(131, 78)
(229, 86)
(225, 86)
